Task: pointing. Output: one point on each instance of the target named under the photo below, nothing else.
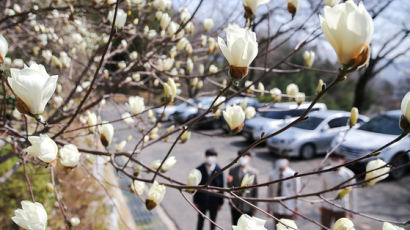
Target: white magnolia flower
(134, 55)
(246, 222)
(234, 117)
(320, 85)
(33, 87)
(47, 54)
(376, 168)
(32, 216)
(244, 103)
(91, 120)
(309, 57)
(300, 98)
(349, 29)
(121, 146)
(138, 186)
(185, 136)
(331, 3)
(136, 104)
(189, 65)
(292, 90)
(155, 195)
(293, 6)
(354, 114)
(165, 20)
(247, 180)
(42, 147)
(121, 17)
(4, 47)
(127, 118)
(286, 224)
(194, 178)
(208, 23)
(250, 112)
(252, 5)
(185, 15)
(106, 133)
(240, 50)
(388, 226)
(75, 221)
(69, 155)
(343, 224)
(213, 69)
(405, 107)
(276, 94)
(170, 90)
(169, 162)
(58, 100)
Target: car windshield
(383, 124)
(283, 114)
(204, 102)
(310, 124)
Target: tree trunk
(360, 90)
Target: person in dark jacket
(204, 201)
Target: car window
(310, 124)
(338, 122)
(383, 124)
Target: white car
(372, 135)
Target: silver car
(311, 136)
(372, 135)
(278, 115)
(170, 110)
(190, 111)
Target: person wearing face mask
(331, 213)
(234, 179)
(205, 201)
(283, 188)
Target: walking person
(234, 179)
(286, 188)
(204, 201)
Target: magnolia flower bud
(169, 162)
(122, 65)
(194, 82)
(165, 20)
(189, 28)
(234, 117)
(250, 86)
(137, 187)
(33, 88)
(292, 90)
(286, 224)
(261, 88)
(127, 118)
(106, 133)
(250, 112)
(212, 45)
(4, 47)
(189, 65)
(405, 111)
(376, 168)
(247, 180)
(194, 178)
(200, 84)
(154, 133)
(91, 120)
(244, 103)
(246, 222)
(208, 23)
(185, 15)
(137, 170)
(155, 195)
(320, 86)
(349, 38)
(172, 28)
(388, 226)
(354, 114)
(136, 104)
(343, 192)
(309, 58)
(300, 98)
(276, 94)
(240, 50)
(343, 224)
(213, 69)
(74, 221)
(42, 147)
(69, 156)
(121, 17)
(293, 6)
(134, 55)
(121, 146)
(150, 114)
(186, 135)
(224, 83)
(170, 90)
(251, 6)
(331, 3)
(32, 216)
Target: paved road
(388, 199)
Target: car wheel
(307, 151)
(398, 160)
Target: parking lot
(389, 200)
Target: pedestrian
(234, 179)
(330, 213)
(205, 201)
(285, 188)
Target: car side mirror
(324, 129)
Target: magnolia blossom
(169, 162)
(69, 155)
(121, 146)
(252, 5)
(276, 94)
(292, 90)
(309, 57)
(246, 222)
(155, 195)
(343, 224)
(208, 23)
(234, 117)
(74, 221)
(293, 6)
(170, 90)
(127, 117)
(331, 3)
(320, 85)
(165, 20)
(286, 224)
(405, 111)
(4, 47)
(186, 135)
(106, 133)
(388, 226)
(121, 17)
(250, 112)
(213, 69)
(354, 114)
(300, 98)
(240, 50)
(376, 168)
(261, 88)
(244, 103)
(136, 104)
(349, 29)
(32, 216)
(138, 187)
(42, 147)
(194, 178)
(247, 180)
(33, 88)
(91, 120)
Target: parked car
(276, 116)
(170, 110)
(372, 135)
(311, 136)
(191, 111)
(251, 101)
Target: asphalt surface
(389, 200)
